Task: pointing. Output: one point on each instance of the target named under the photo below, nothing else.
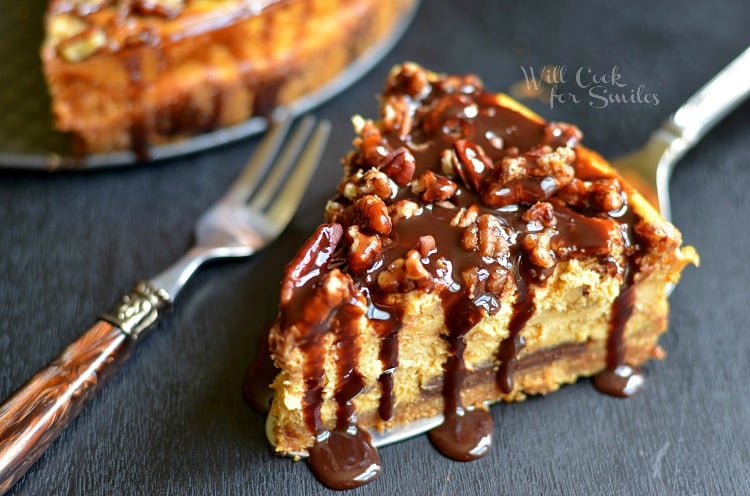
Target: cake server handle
(710, 104)
(654, 162)
(37, 413)
(701, 112)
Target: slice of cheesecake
(474, 253)
(126, 74)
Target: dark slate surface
(173, 421)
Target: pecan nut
(537, 247)
(434, 187)
(399, 165)
(488, 236)
(372, 182)
(364, 250)
(535, 176)
(403, 209)
(602, 195)
(372, 214)
(472, 165)
(465, 216)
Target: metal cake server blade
(651, 166)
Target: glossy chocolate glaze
(386, 321)
(345, 459)
(544, 206)
(260, 374)
(464, 436)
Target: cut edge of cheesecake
(563, 309)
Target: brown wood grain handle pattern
(35, 415)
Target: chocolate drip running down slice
(461, 199)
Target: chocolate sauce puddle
(464, 435)
(345, 459)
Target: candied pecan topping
(371, 213)
(537, 246)
(532, 177)
(448, 168)
(465, 216)
(426, 245)
(370, 182)
(487, 236)
(541, 212)
(399, 166)
(449, 116)
(472, 282)
(409, 79)
(434, 187)
(606, 194)
(364, 250)
(413, 268)
(403, 209)
(393, 279)
(311, 258)
(601, 195)
(374, 150)
(471, 163)
(396, 115)
(334, 289)
(494, 239)
(496, 280)
(662, 236)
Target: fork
(651, 166)
(249, 216)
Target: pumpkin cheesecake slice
(473, 253)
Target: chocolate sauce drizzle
(260, 374)
(575, 213)
(620, 379)
(387, 322)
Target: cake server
(247, 218)
(651, 166)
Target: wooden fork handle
(35, 415)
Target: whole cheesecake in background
(127, 74)
(473, 253)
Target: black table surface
(173, 420)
